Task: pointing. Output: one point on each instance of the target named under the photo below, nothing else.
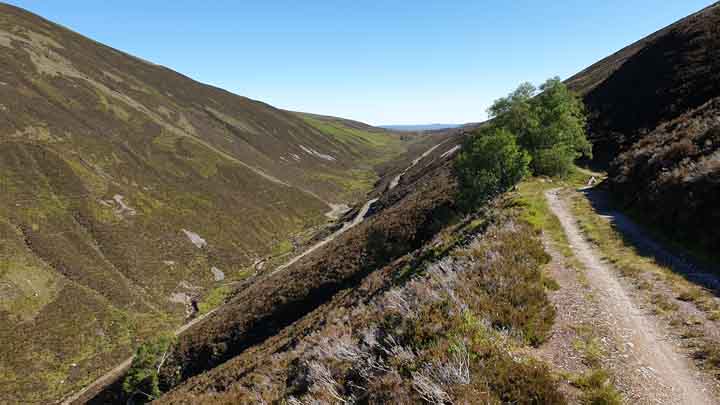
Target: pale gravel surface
(649, 367)
(358, 218)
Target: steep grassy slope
(126, 189)
(654, 120)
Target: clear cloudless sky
(382, 61)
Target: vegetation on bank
(690, 310)
(449, 335)
(669, 180)
(142, 383)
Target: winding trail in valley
(347, 225)
(395, 181)
(361, 214)
(118, 371)
(668, 375)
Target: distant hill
(127, 190)
(420, 127)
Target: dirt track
(358, 218)
(653, 364)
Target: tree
(549, 123)
(142, 381)
(491, 162)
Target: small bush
(597, 389)
(663, 303)
(709, 353)
(690, 295)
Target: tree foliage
(548, 122)
(141, 383)
(491, 162)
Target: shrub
(448, 335)
(141, 383)
(549, 123)
(597, 389)
(491, 163)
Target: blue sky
(382, 62)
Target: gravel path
(395, 181)
(358, 218)
(657, 369)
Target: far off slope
(126, 188)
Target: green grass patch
(282, 248)
(530, 197)
(351, 136)
(354, 183)
(214, 299)
(597, 388)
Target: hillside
(407, 295)
(651, 81)
(653, 121)
(128, 190)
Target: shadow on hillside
(648, 245)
